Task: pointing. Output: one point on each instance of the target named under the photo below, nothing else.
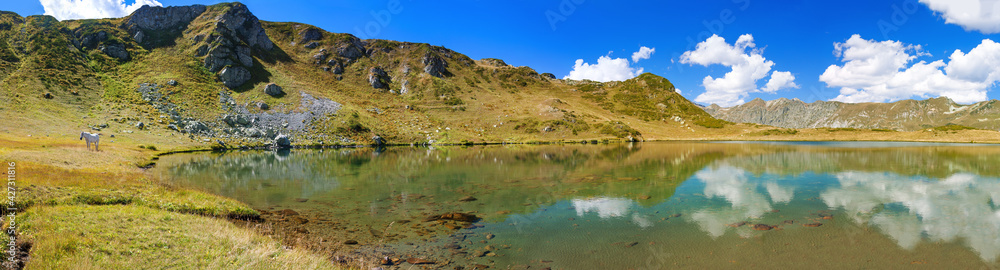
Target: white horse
(91, 138)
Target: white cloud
(92, 9)
(610, 69)
(643, 53)
(747, 68)
(978, 15)
(780, 80)
(881, 72)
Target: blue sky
(793, 36)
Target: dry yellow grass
(131, 237)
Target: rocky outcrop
(239, 32)
(352, 49)
(273, 90)
(493, 62)
(378, 78)
(310, 34)
(335, 66)
(245, 26)
(158, 18)
(434, 65)
(234, 77)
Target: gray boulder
(273, 90)
(262, 106)
(234, 77)
(139, 36)
(172, 82)
(319, 57)
(115, 50)
(282, 141)
(335, 66)
(310, 34)
(378, 78)
(378, 140)
(312, 45)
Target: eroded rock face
(434, 65)
(115, 50)
(158, 18)
(240, 32)
(246, 27)
(234, 77)
(378, 78)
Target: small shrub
(953, 127)
(711, 123)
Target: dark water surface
(638, 206)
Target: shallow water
(638, 206)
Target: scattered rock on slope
(378, 78)
(273, 90)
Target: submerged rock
(454, 216)
(418, 261)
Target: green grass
(785, 131)
(953, 127)
(130, 237)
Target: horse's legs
(88, 145)
(95, 147)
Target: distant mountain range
(904, 115)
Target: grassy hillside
(62, 70)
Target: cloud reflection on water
(957, 208)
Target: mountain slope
(903, 115)
(200, 72)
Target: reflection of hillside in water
(503, 178)
(926, 161)
(232, 174)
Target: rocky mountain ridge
(905, 115)
(218, 72)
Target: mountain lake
(623, 206)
